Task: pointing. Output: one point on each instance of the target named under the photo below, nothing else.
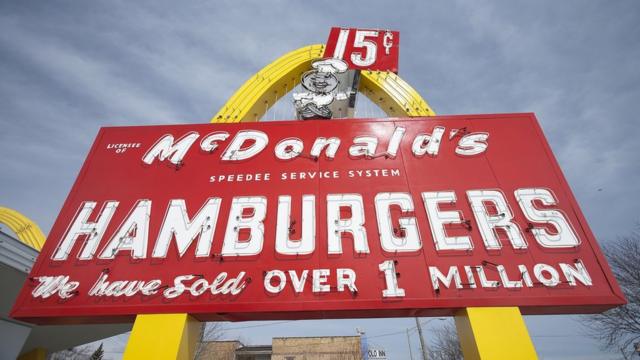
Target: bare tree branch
(76, 353)
(210, 331)
(446, 345)
(619, 328)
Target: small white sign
(377, 354)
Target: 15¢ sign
(364, 49)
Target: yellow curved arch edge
(27, 231)
(254, 98)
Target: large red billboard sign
(342, 218)
(364, 49)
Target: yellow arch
(252, 100)
(28, 231)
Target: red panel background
(383, 62)
(517, 156)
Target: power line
(258, 325)
(556, 336)
(394, 333)
(288, 321)
(387, 334)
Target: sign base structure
(485, 334)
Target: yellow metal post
(35, 354)
(494, 333)
(166, 336)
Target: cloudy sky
(68, 68)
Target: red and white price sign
(364, 49)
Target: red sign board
(316, 219)
(364, 49)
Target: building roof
(316, 337)
(254, 349)
(16, 260)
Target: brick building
(286, 348)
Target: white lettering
(176, 223)
(408, 236)
(166, 148)
(235, 151)
(438, 219)
(81, 226)
(501, 218)
(472, 144)
(307, 242)
(132, 235)
(232, 244)
(354, 225)
(564, 237)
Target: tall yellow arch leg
(27, 231)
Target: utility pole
(409, 341)
(423, 347)
(364, 346)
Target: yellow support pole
(165, 336)
(494, 333)
(35, 354)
